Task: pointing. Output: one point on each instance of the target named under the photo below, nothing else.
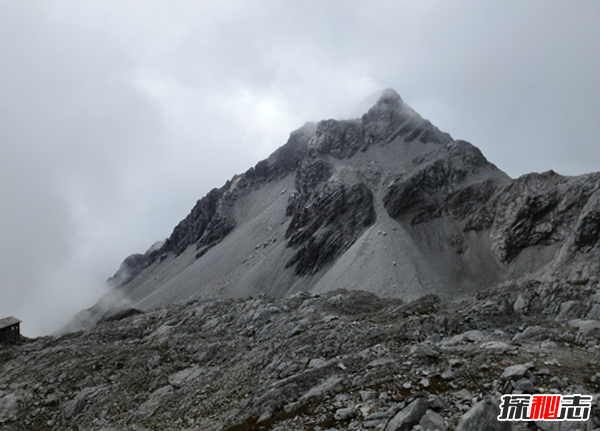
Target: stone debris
(230, 365)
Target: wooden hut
(10, 329)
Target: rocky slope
(343, 360)
(385, 203)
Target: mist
(116, 117)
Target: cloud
(116, 116)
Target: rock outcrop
(326, 218)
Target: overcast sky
(116, 116)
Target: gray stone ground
(344, 360)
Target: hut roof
(8, 321)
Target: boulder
(408, 416)
(483, 417)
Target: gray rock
(520, 304)
(368, 395)
(8, 403)
(76, 405)
(548, 345)
(377, 420)
(156, 399)
(572, 309)
(432, 421)
(473, 336)
(428, 350)
(524, 385)
(437, 402)
(587, 328)
(463, 395)
(51, 400)
(594, 312)
(558, 383)
(346, 413)
(497, 347)
(535, 333)
(515, 371)
(483, 417)
(317, 362)
(447, 374)
(408, 416)
(179, 379)
(320, 207)
(329, 385)
(455, 362)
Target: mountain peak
(390, 118)
(386, 194)
(389, 96)
(383, 100)
(389, 100)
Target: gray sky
(116, 116)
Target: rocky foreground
(345, 360)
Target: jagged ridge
(388, 195)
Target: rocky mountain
(385, 203)
(371, 274)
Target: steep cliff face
(421, 195)
(326, 222)
(386, 203)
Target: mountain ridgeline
(385, 203)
